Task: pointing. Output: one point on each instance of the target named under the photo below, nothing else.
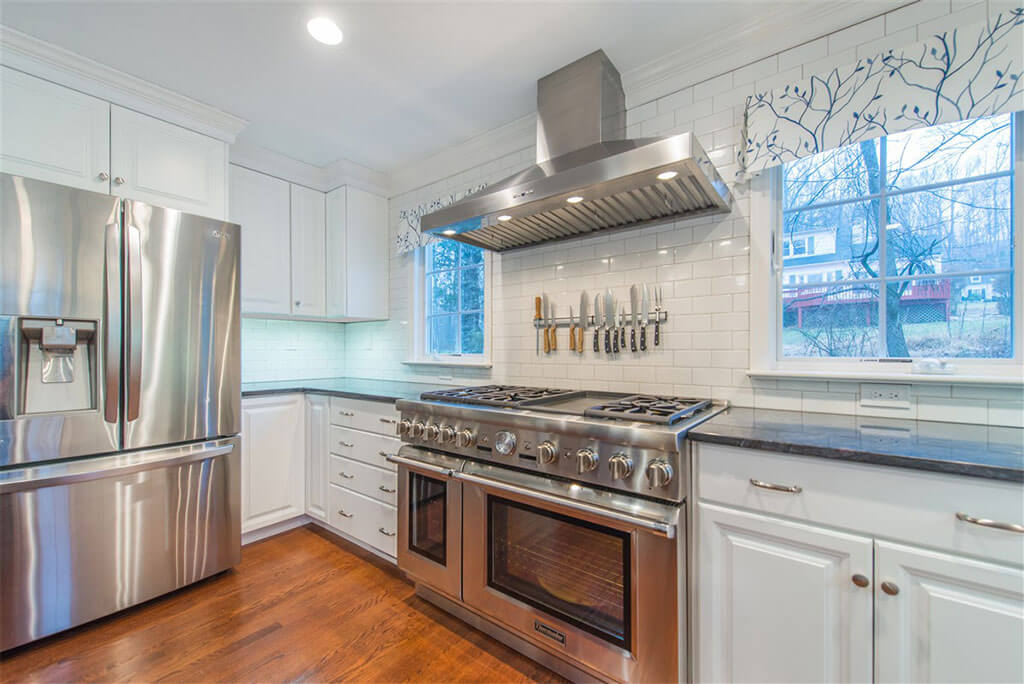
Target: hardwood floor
(303, 605)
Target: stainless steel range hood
(587, 177)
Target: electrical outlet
(885, 396)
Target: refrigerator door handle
(133, 305)
(112, 325)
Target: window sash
(458, 269)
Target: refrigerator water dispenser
(58, 365)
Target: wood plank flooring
(304, 605)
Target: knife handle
(622, 338)
(632, 339)
(597, 339)
(547, 340)
(579, 340)
(554, 339)
(607, 340)
(536, 308)
(643, 338)
(615, 341)
(572, 338)
(657, 332)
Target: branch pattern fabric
(964, 73)
(409, 237)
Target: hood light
(504, 217)
(448, 232)
(667, 175)
(324, 30)
(575, 199)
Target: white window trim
(418, 355)
(765, 361)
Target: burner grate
(649, 408)
(509, 396)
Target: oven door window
(571, 569)
(428, 512)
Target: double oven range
(553, 520)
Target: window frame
(766, 360)
(418, 316)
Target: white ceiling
(409, 79)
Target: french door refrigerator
(119, 404)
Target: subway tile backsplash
(291, 350)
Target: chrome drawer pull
(385, 532)
(343, 514)
(386, 454)
(386, 490)
(984, 522)
(347, 476)
(791, 489)
(389, 421)
(344, 443)
(346, 413)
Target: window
(450, 307)
(919, 233)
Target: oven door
(593, 576)
(430, 519)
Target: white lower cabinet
(317, 426)
(365, 519)
(951, 619)
(273, 460)
(777, 602)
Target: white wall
(701, 265)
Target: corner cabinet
(357, 254)
(309, 262)
(850, 572)
(273, 460)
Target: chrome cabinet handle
(119, 180)
(385, 532)
(342, 413)
(344, 443)
(890, 588)
(103, 175)
(298, 303)
(985, 522)
(343, 514)
(860, 580)
(347, 476)
(791, 489)
(389, 421)
(386, 490)
(386, 454)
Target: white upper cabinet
(261, 205)
(308, 252)
(357, 249)
(946, 618)
(53, 133)
(163, 164)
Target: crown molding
(38, 58)
(345, 172)
(322, 178)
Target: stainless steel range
(554, 520)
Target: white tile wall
(701, 266)
(291, 350)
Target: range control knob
(586, 460)
(659, 473)
(546, 452)
(447, 434)
(465, 438)
(431, 433)
(416, 430)
(621, 466)
(505, 442)
(404, 426)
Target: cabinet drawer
(363, 446)
(372, 481)
(882, 501)
(373, 416)
(365, 519)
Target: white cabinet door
(776, 600)
(53, 133)
(952, 619)
(357, 254)
(260, 204)
(273, 460)
(317, 425)
(163, 164)
(337, 253)
(308, 246)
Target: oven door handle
(659, 527)
(420, 465)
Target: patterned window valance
(409, 236)
(961, 74)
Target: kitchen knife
(645, 316)
(609, 321)
(554, 328)
(547, 336)
(536, 322)
(615, 331)
(634, 308)
(572, 330)
(583, 320)
(622, 326)
(597, 322)
(657, 317)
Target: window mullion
(883, 270)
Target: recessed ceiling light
(667, 175)
(448, 232)
(575, 199)
(324, 30)
(504, 217)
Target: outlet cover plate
(885, 395)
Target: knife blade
(597, 322)
(645, 316)
(547, 315)
(583, 320)
(634, 309)
(609, 320)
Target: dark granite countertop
(354, 388)
(964, 449)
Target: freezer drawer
(88, 538)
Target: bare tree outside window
(913, 253)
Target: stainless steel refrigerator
(119, 404)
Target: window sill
(905, 378)
(455, 363)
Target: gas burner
(508, 396)
(648, 408)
